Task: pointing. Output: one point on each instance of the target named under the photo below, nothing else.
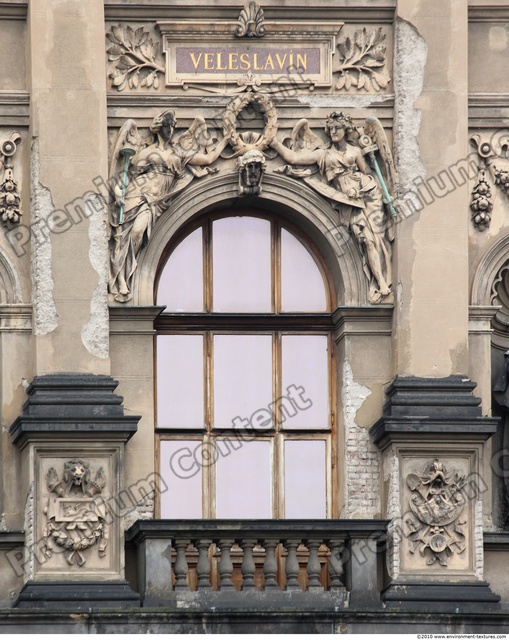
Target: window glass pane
(181, 486)
(306, 381)
(180, 381)
(243, 481)
(181, 283)
(242, 265)
(242, 378)
(305, 479)
(302, 285)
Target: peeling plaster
(410, 54)
(41, 203)
(95, 333)
(362, 480)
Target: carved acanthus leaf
(362, 61)
(250, 22)
(134, 55)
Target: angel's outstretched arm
(297, 157)
(204, 159)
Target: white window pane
(180, 382)
(243, 486)
(181, 486)
(305, 479)
(302, 285)
(242, 377)
(306, 381)
(242, 265)
(181, 283)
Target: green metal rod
(124, 186)
(387, 195)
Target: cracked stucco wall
(95, 333)
(362, 466)
(41, 204)
(410, 54)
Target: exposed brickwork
(362, 459)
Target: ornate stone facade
(369, 140)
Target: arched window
(245, 377)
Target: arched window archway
(245, 389)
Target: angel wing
(373, 128)
(303, 138)
(196, 139)
(127, 135)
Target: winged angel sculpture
(145, 174)
(338, 170)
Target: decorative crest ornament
(75, 518)
(250, 22)
(10, 201)
(436, 502)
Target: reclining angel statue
(145, 175)
(341, 174)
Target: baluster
(248, 566)
(270, 565)
(225, 565)
(203, 564)
(181, 567)
(335, 564)
(313, 566)
(292, 566)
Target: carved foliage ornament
(436, 502)
(10, 201)
(134, 54)
(250, 22)
(494, 164)
(75, 518)
(362, 61)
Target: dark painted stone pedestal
(76, 596)
(426, 420)
(72, 433)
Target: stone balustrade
(209, 563)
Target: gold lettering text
(195, 61)
(244, 61)
(255, 63)
(302, 61)
(209, 61)
(281, 62)
(219, 67)
(270, 63)
(233, 59)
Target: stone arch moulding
(10, 285)
(487, 271)
(281, 195)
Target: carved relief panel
(439, 497)
(72, 529)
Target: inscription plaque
(208, 53)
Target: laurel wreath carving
(242, 142)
